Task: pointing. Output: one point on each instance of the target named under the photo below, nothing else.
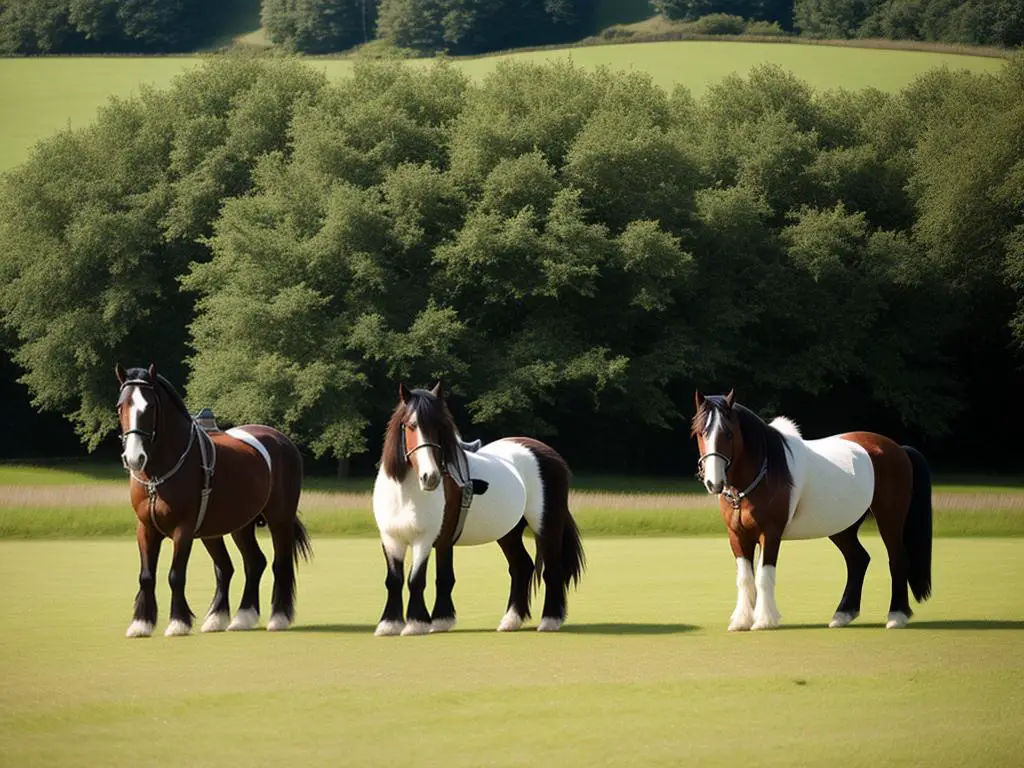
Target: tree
(319, 26)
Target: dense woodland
(423, 27)
(571, 253)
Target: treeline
(107, 26)
(572, 253)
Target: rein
(207, 453)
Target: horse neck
(744, 469)
(172, 439)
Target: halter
(205, 452)
(730, 493)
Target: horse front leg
(417, 618)
(392, 620)
(443, 618)
(144, 617)
(181, 614)
(743, 544)
(766, 612)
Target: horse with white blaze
(434, 491)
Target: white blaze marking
(714, 466)
(133, 446)
(425, 458)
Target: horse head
(138, 414)
(421, 435)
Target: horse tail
(917, 529)
(574, 559)
(301, 546)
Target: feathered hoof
(549, 624)
(216, 622)
(741, 622)
(177, 628)
(278, 623)
(510, 622)
(843, 619)
(415, 628)
(389, 628)
(896, 620)
(442, 625)
(244, 619)
(139, 628)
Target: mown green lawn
(39, 96)
(643, 673)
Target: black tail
(917, 530)
(300, 542)
(574, 560)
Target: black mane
(436, 423)
(761, 440)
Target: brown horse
(804, 489)
(188, 484)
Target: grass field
(39, 96)
(90, 499)
(643, 673)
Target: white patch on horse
(216, 622)
(786, 426)
(389, 628)
(442, 625)
(134, 449)
(250, 439)
(896, 620)
(139, 628)
(244, 619)
(766, 612)
(415, 628)
(177, 628)
(843, 618)
(429, 472)
(278, 622)
(511, 621)
(714, 465)
(549, 624)
(743, 616)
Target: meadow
(39, 96)
(643, 672)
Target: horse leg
(743, 549)
(181, 614)
(392, 620)
(899, 571)
(520, 571)
(443, 616)
(144, 616)
(219, 615)
(857, 559)
(248, 616)
(282, 601)
(766, 612)
(417, 617)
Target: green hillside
(39, 96)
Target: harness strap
(208, 468)
(459, 470)
(736, 498)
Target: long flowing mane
(435, 421)
(761, 440)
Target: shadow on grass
(954, 624)
(571, 629)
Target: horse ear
(730, 399)
(698, 399)
(402, 394)
(152, 372)
(436, 390)
(119, 372)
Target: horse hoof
(139, 628)
(244, 619)
(415, 628)
(278, 622)
(741, 625)
(387, 628)
(510, 622)
(843, 618)
(897, 620)
(177, 628)
(216, 622)
(442, 625)
(549, 624)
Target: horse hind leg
(248, 616)
(520, 571)
(857, 559)
(219, 615)
(282, 601)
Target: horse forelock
(712, 404)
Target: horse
(186, 483)
(433, 490)
(804, 489)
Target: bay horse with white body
(187, 484)
(426, 472)
(804, 489)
